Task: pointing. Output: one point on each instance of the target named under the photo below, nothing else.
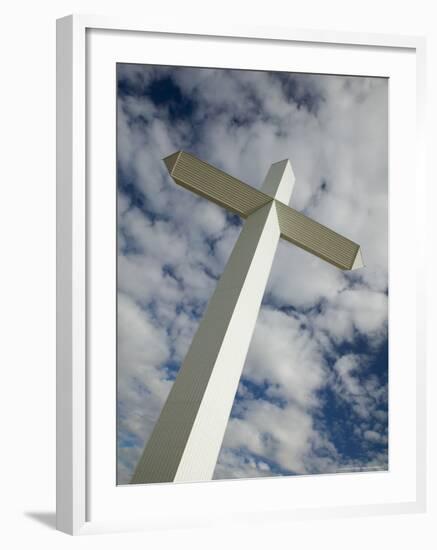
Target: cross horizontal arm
(226, 191)
(214, 184)
(318, 239)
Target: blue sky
(313, 394)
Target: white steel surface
(186, 440)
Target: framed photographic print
(239, 329)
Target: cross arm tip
(358, 261)
(171, 160)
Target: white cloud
(142, 384)
(281, 435)
(352, 310)
(284, 354)
(363, 391)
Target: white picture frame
(75, 217)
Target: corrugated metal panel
(235, 195)
(317, 239)
(186, 439)
(215, 185)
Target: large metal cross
(187, 437)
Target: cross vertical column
(187, 437)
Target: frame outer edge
(422, 284)
(248, 31)
(70, 277)
(72, 513)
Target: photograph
(252, 274)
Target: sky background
(313, 396)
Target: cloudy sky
(313, 394)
